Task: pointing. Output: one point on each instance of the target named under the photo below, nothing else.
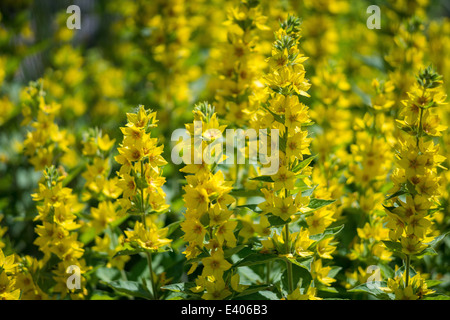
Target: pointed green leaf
(315, 204)
(303, 164)
(437, 240)
(229, 252)
(255, 258)
(329, 232)
(276, 221)
(253, 289)
(184, 287)
(374, 289)
(131, 288)
(263, 178)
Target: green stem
(419, 129)
(268, 273)
(149, 262)
(408, 263)
(288, 263)
(148, 254)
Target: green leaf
(300, 276)
(246, 193)
(387, 271)
(276, 221)
(253, 207)
(393, 246)
(131, 288)
(437, 240)
(171, 228)
(302, 263)
(373, 289)
(390, 209)
(309, 192)
(319, 203)
(329, 232)
(229, 252)
(107, 274)
(183, 287)
(301, 165)
(396, 194)
(255, 258)
(128, 252)
(253, 289)
(432, 283)
(334, 271)
(428, 251)
(260, 295)
(263, 178)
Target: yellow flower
(215, 265)
(128, 185)
(7, 263)
(320, 273)
(412, 244)
(283, 179)
(7, 288)
(319, 220)
(297, 145)
(236, 285)
(103, 215)
(296, 113)
(105, 143)
(325, 249)
(216, 290)
(284, 207)
(196, 198)
(224, 233)
(310, 294)
(194, 231)
(302, 243)
(150, 238)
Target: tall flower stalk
(208, 226)
(141, 182)
(285, 204)
(416, 179)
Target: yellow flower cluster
(415, 289)
(141, 182)
(283, 111)
(57, 209)
(46, 144)
(8, 274)
(140, 158)
(239, 63)
(208, 226)
(357, 180)
(416, 178)
(416, 175)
